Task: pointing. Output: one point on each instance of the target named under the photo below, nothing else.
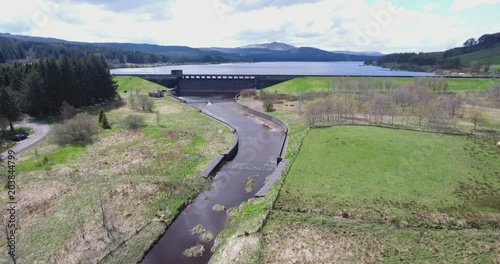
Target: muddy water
(256, 158)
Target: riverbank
(114, 196)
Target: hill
(270, 46)
(476, 56)
(18, 47)
(490, 55)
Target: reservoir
(352, 68)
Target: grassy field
(324, 84)
(132, 83)
(370, 195)
(81, 202)
(491, 55)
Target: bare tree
(452, 103)
(477, 117)
(145, 102)
(104, 218)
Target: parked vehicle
(19, 137)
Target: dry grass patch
(239, 250)
(300, 243)
(195, 251)
(40, 199)
(218, 208)
(291, 238)
(207, 236)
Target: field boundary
(399, 128)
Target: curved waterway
(259, 146)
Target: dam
(212, 84)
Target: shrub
(80, 129)
(67, 111)
(248, 92)
(104, 122)
(268, 106)
(133, 121)
(142, 102)
(101, 116)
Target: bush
(67, 111)
(248, 92)
(142, 102)
(104, 122)
(133, 121)
(268, 106)
(80, 129)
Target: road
(41, 131)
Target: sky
(355, 25)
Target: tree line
(40, 88)
(414, 60)
(12, 50)
(484, 42)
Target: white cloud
(326, 24)
(465, 4)
(429, 7)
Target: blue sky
(358, 25)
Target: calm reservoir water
(277, 68)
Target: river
(277, 68)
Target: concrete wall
(214, 86)
(268, 117)
(196, 84)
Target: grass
(137, 176)
(132, 83)
(197, 230)
(206, 237)
(372, 195)
(194, 251)
(380, 171)
(491, 55)
(218, 208)
(324, 84)
(315, 239)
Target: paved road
(41, 131)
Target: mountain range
(274, 51)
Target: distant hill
(366, 53)
(270, 46)
(122, 53)
(479, 55)
(276, 51)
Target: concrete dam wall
(218, 84)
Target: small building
(156, 93)
(176, 72)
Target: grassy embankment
(132, 84)
(80, 202)
(491, 55)
(324, 84)
(359, 194)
